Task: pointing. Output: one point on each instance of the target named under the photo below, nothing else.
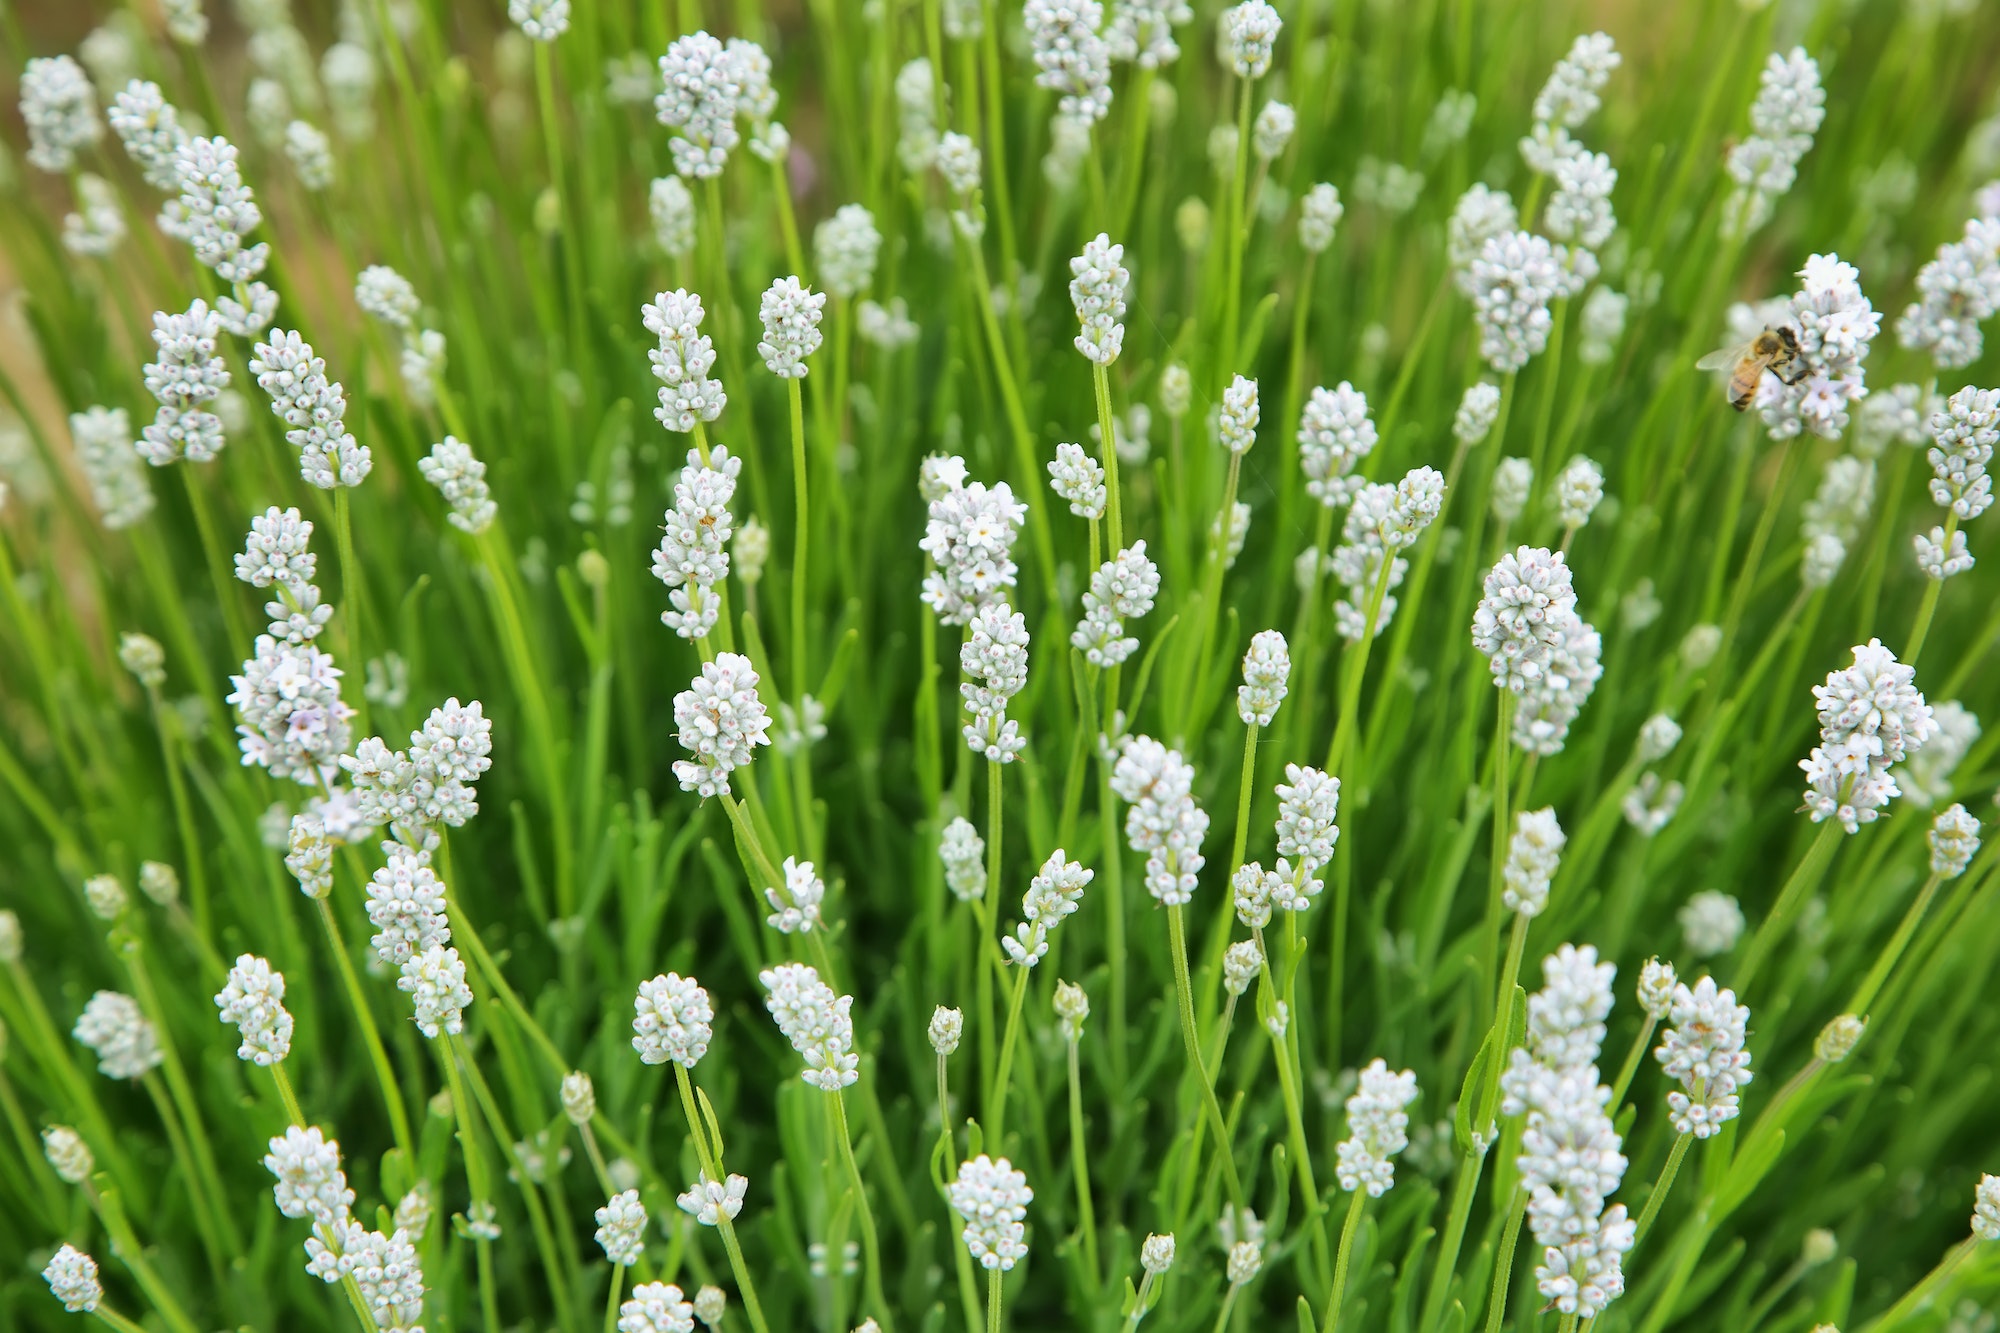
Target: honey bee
(1775, 350)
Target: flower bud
(1819, 1248)
(947, 1025)
(10, 937)
(68, 1153)
(106, 897)
(579, 1098)
(1700, 646)
(159, 882)
(593, 569)
(709, 1305)
(1156, 1256)
(1837, 1039)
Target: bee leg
(1802, 369)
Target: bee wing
(1723, 358)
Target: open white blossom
(1703, 1052)
(672, 1020)
(818, 1023)
(992, 1198)
(1871, 717)
(1163, 820)
(1377, 1129)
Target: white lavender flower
(1272, 130)
(1335, 434)
(539, 20)
(1246, 1258)
(105, 897)
(1941, 557)
(1703, 1052)
(98, 228)
(1871, 716)
(142, 655)
(254, 1001)
(1236, 425)
(693, 555)
(796, 910)
(185, 378)
(218, 211)
(1570, 97)
(1787, 113)
(1927, 778)
(916, 116)
(844, 250)
(312, 408)
(461, 478)
(1055, 892)
(1319, 213)
(60, 109)
(1649, 805)
(1241, 962)
(1553, 700)
(721, 721)
(406, 905)
(309, 855)
(672, 1020)
(656, 1307)
(1579, 490)
(994, 663)
(310, 152)
(671, 208)
(621, 1228)
(1658, 737)
(1097, 291)
(1986, 1208)
(993, 1199)
(1956, 292)
(1071, 57)
(1602, 325)
(1377, 1129)
(186, 23)
(72, 1278)
(709, 1203)
(1523, 616)
(1246, 35)
(1122, 588)
(149, 127)
(963, 852)
(790, 313)
(1834, 325)
(682, 361)
(435, 980)
(1821, 560)
(1477, 411)
(293, 720)
(1142, 31)
(1076, 477)
(1513, 484)
(888, 327)
(947, 1026)
(699, 98)
(1176, 390)
(970, 538)
(1954, 840)
(1532, 856)
(818, 1023)
(1512, 281)
(111, 466)
(117, 1030)
(1963, 436)
(310, 1182)
(1841, 505)
(69, 1156)
(1656, 987)
(1580, 210)
(160, 882)
(1481, 215)
(1266, 668)
(1163, 820)
(1711, 922)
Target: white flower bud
(1156, 1256)
(579, 1097)
(947, 1025)
(68, 1153)
(1837, 1040)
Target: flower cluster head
(1711, 922)
(671, 208)
(1478, 409)
(963, 852)
(293, 721)
(1320, 211)
(312, 408)
(994, 660)
(1656, 987)
(757, 100)
(1513, 485)
(1163, 822)
(1077, 477)
(111, 465)
(1071, 57)
(254, 1000)
(1871, 716)
(460, 477)
(1941, 557)
(1377, 1129)
(1123, 588)
(916, 116)
(993, 1199)
(1335, 434)
(1986, 1208)
(817, 1022)
(709, 1203)
(1787, 113)
(310, 1182)
(99, 227)
(1512, 279)
(1532, 857)
(431, 783)
(1266, 668)
(656, 1307)
(1834, 325)
(621, 1228)
(114, 1027)
(1552, 701)
(406, 906)
(1954, 840)
(1272, 130)
(1703, 1052)
(1237, 423)
(1568, 100)
(1927, 778)
(435, 982)
(1963, 436)
(844, 250)
(1580, 210)
(1841, 505)
(539, 20)
(1956, 292)
(1241, 962)
(1246, 36)
(1382, 521)
(721, 721)
(149, 127)
(1524, 616)
(68, 1154)
(672, 1020)
(947, 1026)
(693, 555)
(72, 1278)
(1054, 893)
(1651, 804)
(216, 211)
(790, 312)
(185, 378)
(683, 359)
(1098, 278)
(970, 539)
(59, 107)
(1579, 490)
(700, 93)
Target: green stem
(710, 1157)
(1177, 941)
(371, 1037)
(1503, 1267)
(801, 543)
(870, 1245)
(1080, 1163)
(1933, 589)
(1658, 1197)
(1803, 879)
(1006, 1066)
(1914, 1299)
(1864, 995)
(1348, 1231)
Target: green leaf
(1468, 1092)
(835, 680)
